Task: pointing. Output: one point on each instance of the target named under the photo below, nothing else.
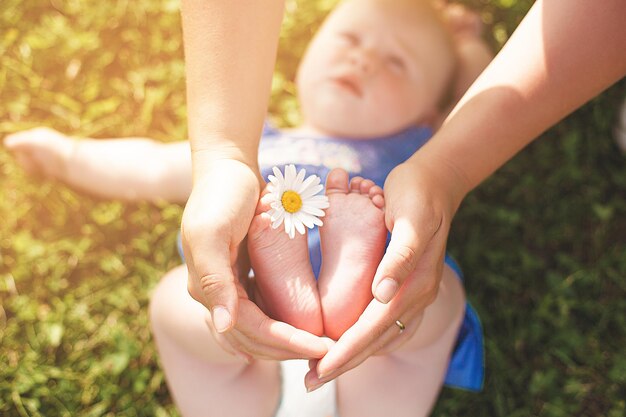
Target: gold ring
(400, 325)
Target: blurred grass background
(542, 243)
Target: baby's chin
(354, 119)
(357, 128)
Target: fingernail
(386, 290)
(313, 388)
(326, 375)
(221, 319)
(243, 357)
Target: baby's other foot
(353, 243)
(41, 151)
(283, 273)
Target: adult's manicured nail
(313, 387)
(221, 319)
(386, 290)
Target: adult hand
(256, 336)
(215, 223)
(419, 206)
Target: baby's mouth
(348, 84)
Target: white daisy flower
(294, 200)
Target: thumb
(211, 281)
(400, 260)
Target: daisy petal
(278, 174)
(298, 224)
(307, 188)
(320, 204)
(288, 223)
(312, 180)
(277, 218)
(290, 176)
(311, 191)
(319, 198)
(307, 219)
(297, 183)
(312, 210)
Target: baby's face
(373, 69)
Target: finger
(365, 337)
(211, 279)
(393, 338)
(390, 340)
(229, 346)
(400, 260)
(411, 322)
(261, 335)
(241, 346)
(255, 350)
(376, 328)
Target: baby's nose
(364, 60)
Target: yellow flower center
(291, 201)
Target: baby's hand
(462, 21)
(41, 151)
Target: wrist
(446, 179)
(206, 160)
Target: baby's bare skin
(352, 242)
(41, 151)
(132, 169)
(284, 277)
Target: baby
(371, 82)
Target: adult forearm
(230, 49)
(562, 54)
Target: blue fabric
(372, 159)
(466, 369)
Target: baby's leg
(203, 379)
(283, 274)
(353, 242)
(407, 381)
(130, 168)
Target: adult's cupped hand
(215, 222)
(419, 206)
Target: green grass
(542, 243)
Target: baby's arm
(132, 169)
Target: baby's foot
(41, 151)
(283, 273)
(353, 243)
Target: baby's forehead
(411, 17)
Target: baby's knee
(442, 319)
(166, 299)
